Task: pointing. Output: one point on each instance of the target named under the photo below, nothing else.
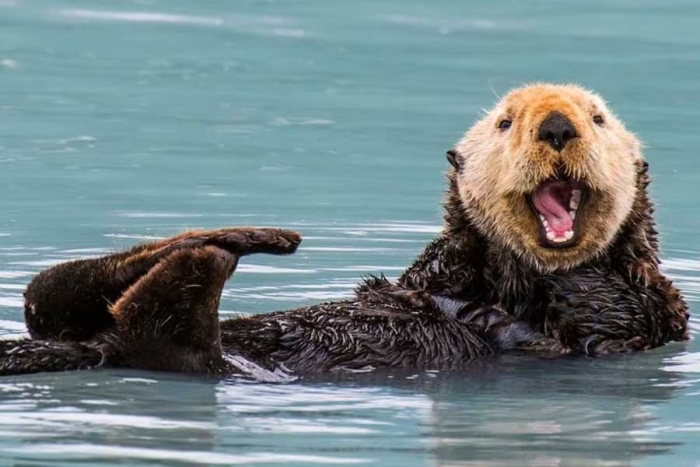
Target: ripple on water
(141, 418)
(141, 17)
(121, 453)
(684, 363)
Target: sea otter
(548, 246)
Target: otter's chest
(548, 299)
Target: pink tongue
(552, 202)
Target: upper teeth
(575, 199)
(574, 203)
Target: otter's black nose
(557, 130)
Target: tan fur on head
(500, 167)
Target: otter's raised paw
(643, 272)
(379, 291)
(248, 240)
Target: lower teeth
(567, 236)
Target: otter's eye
(598, 120)
(505, 124)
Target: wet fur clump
(500, 278)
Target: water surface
(130, 120)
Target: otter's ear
(642, 172)
(452, 156)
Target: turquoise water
(123, 121)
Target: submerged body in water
(549, 246)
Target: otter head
(549, 173)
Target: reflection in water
(508, 411)
(525, 411)
(571, 412)
(104, 412)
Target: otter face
(549, 173)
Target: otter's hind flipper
(70, 301)
(169, 319)
(153, 307)
(244, 241)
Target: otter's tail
(33, 356)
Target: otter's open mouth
(556, 203)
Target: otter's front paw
(643, 272)
(594, 345)
(546, 345)
(506, 332)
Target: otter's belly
(352, 335)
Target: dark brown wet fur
(155, 307)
